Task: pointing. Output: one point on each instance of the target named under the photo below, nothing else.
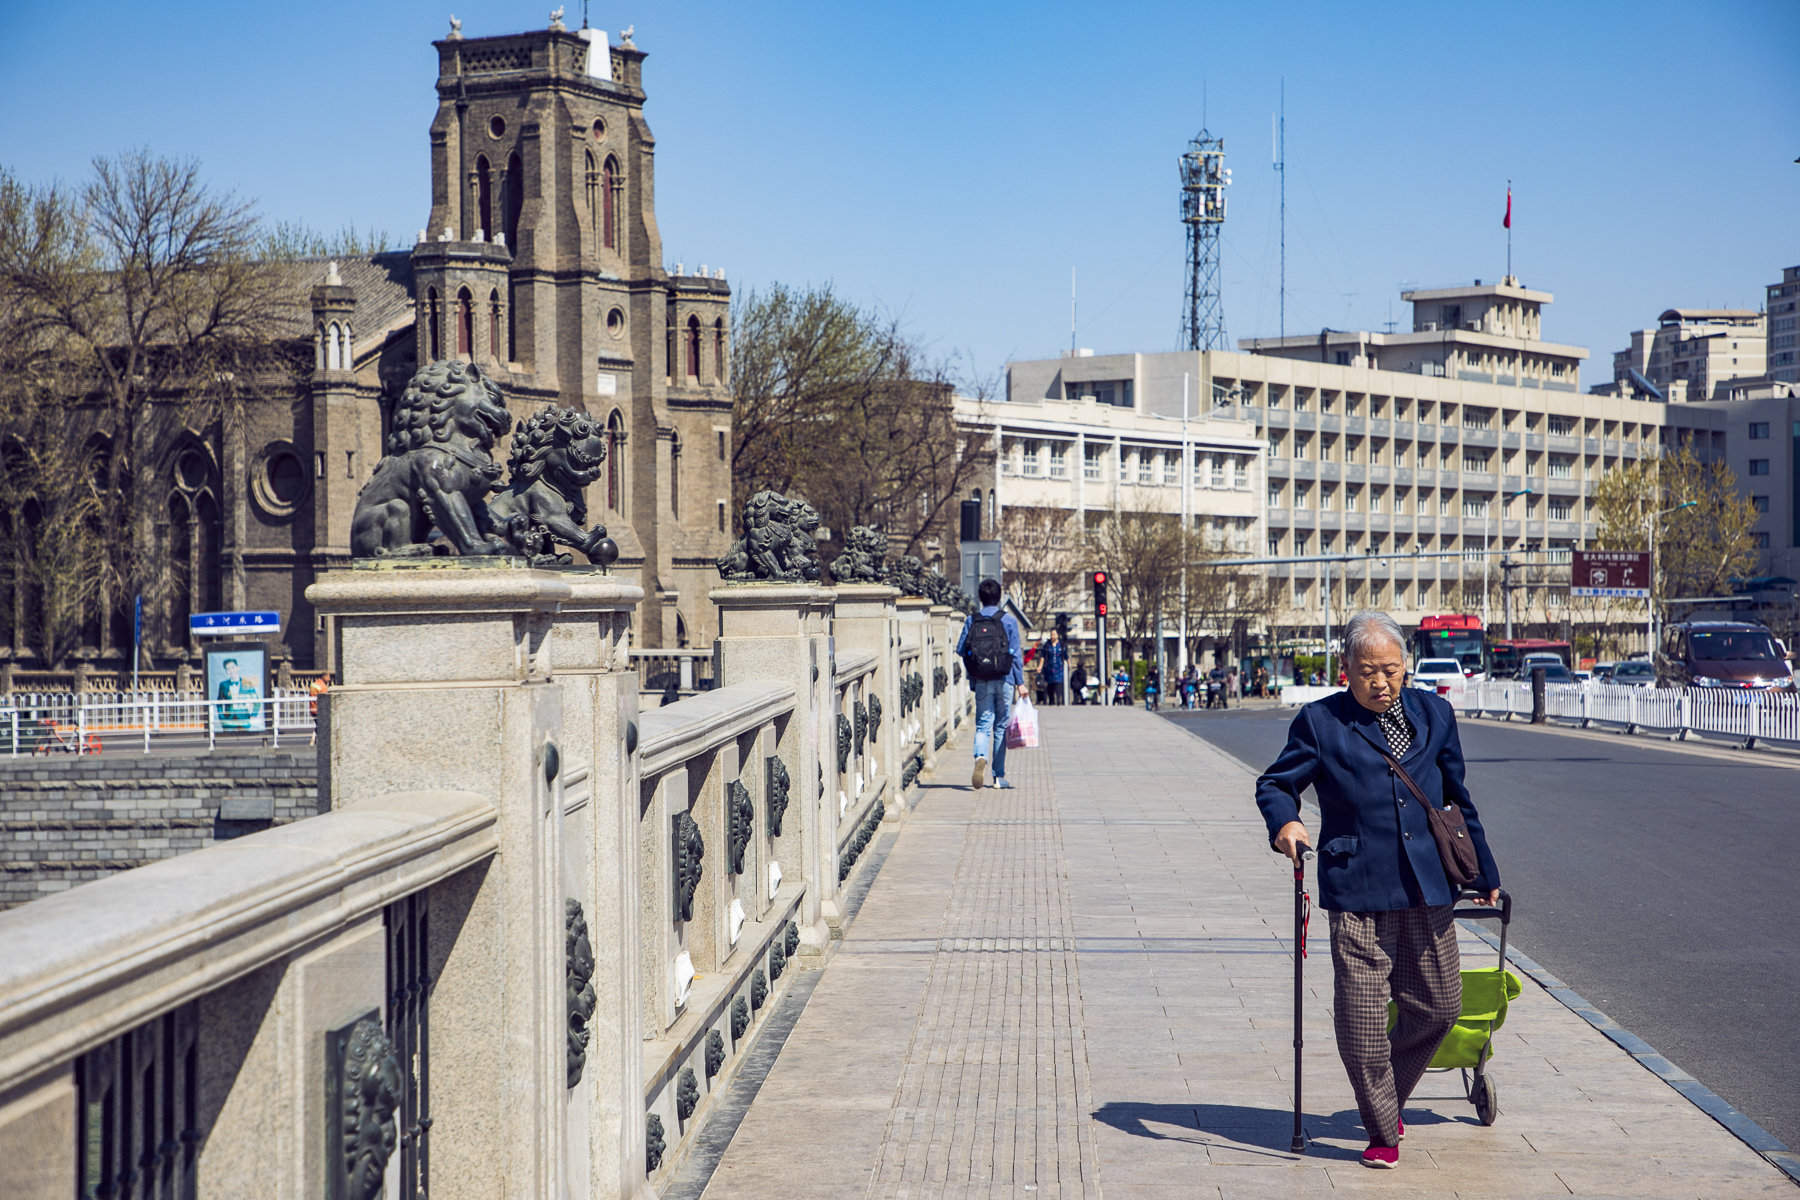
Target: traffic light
(1062, 625)
(1099, 593)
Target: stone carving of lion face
(371, 1094)
(556, 454)
(580, 980)
(446, 397)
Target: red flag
(1508, 222)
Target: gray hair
(1367, 629)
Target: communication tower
(1204, 178)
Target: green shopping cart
(1486, 992)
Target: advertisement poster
(237, 678)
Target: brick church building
(542, 263)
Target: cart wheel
(1487, 1100)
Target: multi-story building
(1784, 327)
(1693, 354)
(1451, 440)
(1756, 432)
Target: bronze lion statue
(556, 454)
(778, 543)
(864, 560)
(438, 470)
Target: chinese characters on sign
(238, 623)
(1611, 574)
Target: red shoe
(1402, 1131)
(1384, 1157)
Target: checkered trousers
(1411, 954)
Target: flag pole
(1509, 229)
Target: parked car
(1636, 673)
(1441, 675)
(1603, 671)
(1731, 654)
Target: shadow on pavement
(1267, 1129)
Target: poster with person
(237, 681)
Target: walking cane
(1302, 915)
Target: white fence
(1749, 716)
(143, 722)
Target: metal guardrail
(1749, 716)
(150, 722)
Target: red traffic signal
(1100, 609)
(1099, 578)
(1100, 593)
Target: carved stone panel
(362, 1092)
(690, 851)
(687, 1093)
(653, 1143)
(874, 718)
(759, 990)
(844, 733)
(862, 725)
(715, 1053)
(778, 795)
(580, 980)
(740, 1018)
(740, 814)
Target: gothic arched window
(615, 464)
(609, 186)
(675, 476)
(465, 323)
(431, 322)
(484, 196)
(515, 197)
(693, 347)
(721, 361)
(592, 180)
(670, 350)
(494, 340)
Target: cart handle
(1503, 913)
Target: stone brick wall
(65, 822)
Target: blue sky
(952, 163)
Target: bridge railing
(529, 939)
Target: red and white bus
(1453, 635)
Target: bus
(1507, 655)
(1454, 635)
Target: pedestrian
(990, 652)
(1053, 657)
(1381, 880)
(1262, 683)
(1152, 688)
(1122, 686)
(1215, 687)
(314, 690)
(1078, 683)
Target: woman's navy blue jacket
(1375, 847)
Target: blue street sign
(137, 622)
(202, 624)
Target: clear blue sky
(951, 162)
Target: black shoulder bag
(1456, 850)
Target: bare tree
(841, 407)
(1141, 554)
(150, 285)
(1040, 546)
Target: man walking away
(989, 649)
(1053, 656)
(1078, 683)
(1152, 688)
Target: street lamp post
(1506, 568)
(1650, 604)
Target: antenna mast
(1204, 178)
(1281, 170)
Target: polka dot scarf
(1398, 729)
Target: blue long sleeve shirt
(1016, 676)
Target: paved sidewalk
(1083, 986)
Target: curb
(1698, 1094)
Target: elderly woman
(1380, 877)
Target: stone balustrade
(530, 936)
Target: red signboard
(1613, 574)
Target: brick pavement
(1083, 986)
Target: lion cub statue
(556, 454)
(778, 543)
(438, 471)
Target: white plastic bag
(1022, 726)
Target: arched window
(721, 361)
(675, 476)
(515, 197)
(693, 347)
(334, 347)
(494, 341)
(465, 323)
(609, 187)
(615, 464)
(181, 533)
(993, 513)
(484, 196)
(319, 349)
(592, 179)
(669, 347)
(431, 322)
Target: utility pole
(1204, 178)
